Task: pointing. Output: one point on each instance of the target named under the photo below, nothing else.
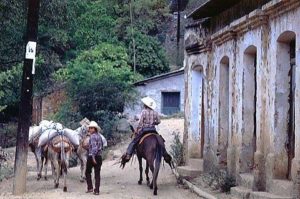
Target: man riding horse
(148, 120)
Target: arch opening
(223, 110)
(197, 113)
(284, 123)
(249, 109)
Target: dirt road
(115, 182)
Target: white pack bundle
(103, 140)
(45, 124)
(33, 132)
(46, 136)
(72, 135)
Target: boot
(124, 159)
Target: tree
(149, 28)
(100, 79)
(150, 56)
(10, 82)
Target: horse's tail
(63, 157)
(158, 157)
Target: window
(170, 102)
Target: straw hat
(148, 101)
(95, 125)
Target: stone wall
(45, 106)
(251, 92)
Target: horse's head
(131, 128)
(82, 131)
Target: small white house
(166, 89)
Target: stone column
(234, 105)
(186, 109)
(262, 90)
(296, 161)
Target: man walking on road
(94, 159)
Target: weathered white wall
(265, 155)
(154, 89)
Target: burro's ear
(131, 128)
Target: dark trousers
(88, 172)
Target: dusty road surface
(115, 182)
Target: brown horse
(151, 150)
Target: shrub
(8, 134)
(6, 169)
(177, 149)
(219, 179)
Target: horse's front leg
(141, 170)
(152, 170)
(37, 164)
(147, 174)
(83, 160)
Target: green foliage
(177, 149)
(10, 82)
(95, 26)
(100, 82)
(150, 56)
(92, 39)
(8, 134)
(12, 23)
(67, 115)
(149, 17)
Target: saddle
(57, 141)
(159, 138)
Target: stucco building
(166, 89)
(242, 100)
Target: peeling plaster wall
(286, 22)
(246, 92)
(264, 154)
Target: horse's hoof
(151, 186)
(82, 180)
(65, 189)
(56, 185)
(46, 178)
(148, 183)
(139, 182)
(39, 177)
(155, 192)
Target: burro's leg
(65, 169)
(141, 170)
(147, 174)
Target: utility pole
(178, 32)
(25, 107)
(133, 41)
(178, 21)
